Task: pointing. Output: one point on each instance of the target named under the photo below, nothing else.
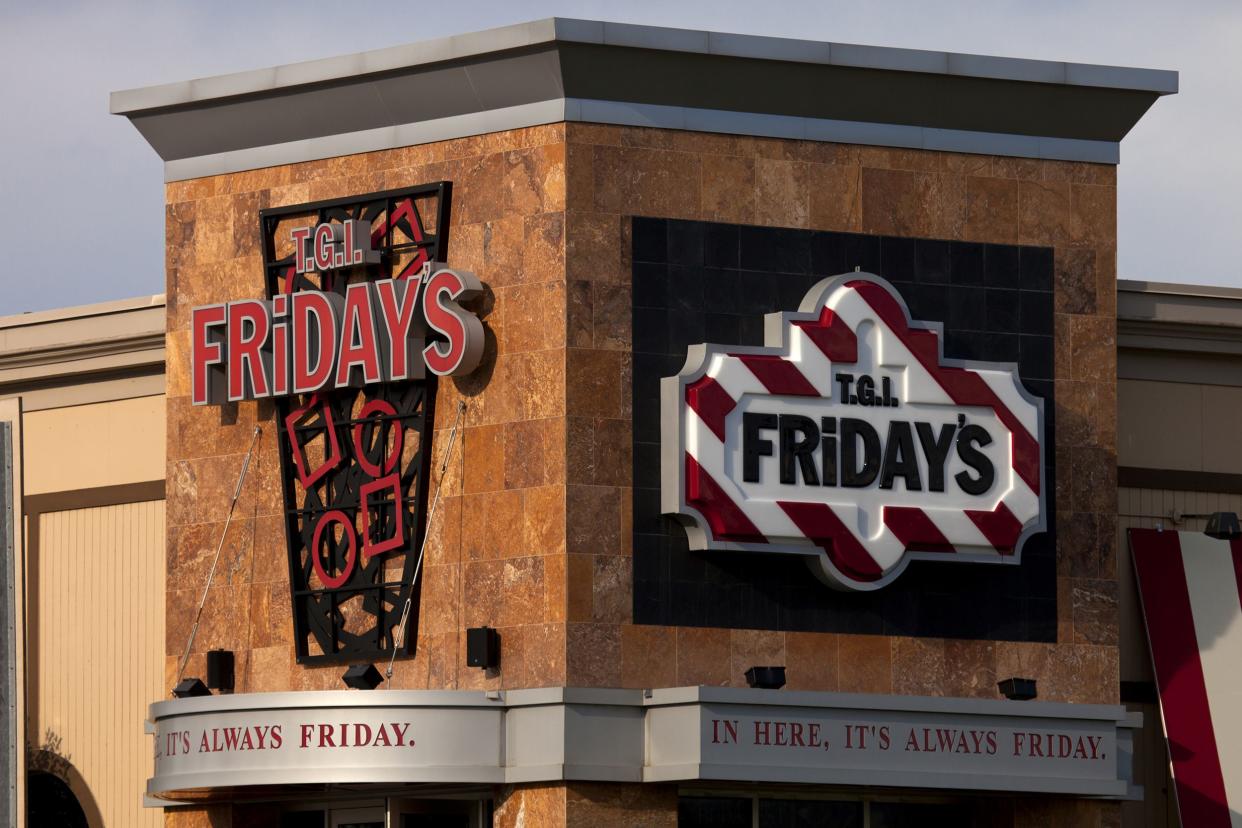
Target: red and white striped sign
(850, 439)
(1191, 589)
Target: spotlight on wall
(482, 648)
(362, 677)
(766, 678)
(1223, 526)
(1017, 689)
(220, 670)
(188, 688)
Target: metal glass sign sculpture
(360, 318)
(848, 438)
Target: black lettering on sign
(936, 449)
(852, 474)
(753, 446)
(900, 459)
(829, 441)
(799, 440)
(969, 439)
(866, 390)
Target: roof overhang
(578, 70)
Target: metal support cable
(198, 616)
(399, 638)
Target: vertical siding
(100, 629)
(1147, 509)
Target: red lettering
(307, 730)
(780, 734)
(884, 738)
(763, 734)
(300, 260)
(325, 736)
(314, 339)
(249, 323)
(277, 741)
(462, 347)
(207, 381)
(813, 737)
(795, 735)
(324, 236)
(399, 731)
(359, 346)
(398, 302)
(944, 740)
(991, 742)
(1094, 742)
(731, 729)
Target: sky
(84, 191)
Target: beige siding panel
(86, 446)
(1158, 425)
(100, 659)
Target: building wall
(88, 446)
(618, 172)
(533, 535)
(496, 553)
(97, 661)
(95, 561)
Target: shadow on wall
(56, 794)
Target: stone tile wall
(616, 173)
(496, 549)
(534, 533)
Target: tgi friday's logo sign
(848, 438)
(302, 342)
(359, 319)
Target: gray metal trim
(621, 735)
(578, 110)
(537, 32)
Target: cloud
(85, 192)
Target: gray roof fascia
(132, 101)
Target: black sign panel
(355, 460)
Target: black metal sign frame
(355, 513)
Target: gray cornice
(576, 70)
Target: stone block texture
(535, 531)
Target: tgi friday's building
(662, 355)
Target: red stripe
(999, 526)
(403, 210)
(833, 336)
(1179, 675)
(711, 402)
(778, 375)
(963, 386)
(915, 530)
(819, 523)
(727, 521)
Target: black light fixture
(220, 670)
(362, 677)
(1018, 689)
(188, 688)
(766, 678)
(482, 648)
(1223, 526)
